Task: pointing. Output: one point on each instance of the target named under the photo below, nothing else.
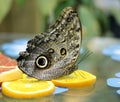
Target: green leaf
(102, 18)
(20, 2)
(5, 6)
(88, 2)
(116, 14)
(47, 6)
(89, 21)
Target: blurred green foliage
(62, 4)
(116, 14)
(89, 21)
(21, 2)
(47, 8)
(5, 6)
(93, 19)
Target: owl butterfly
(53, 54)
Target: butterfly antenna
(83, 56)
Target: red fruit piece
(6, 61)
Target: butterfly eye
(63, 51)
(41, 62)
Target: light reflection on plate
(116, 57)
(59, 90)
(118, 92)
(115, 82)
(113, 51)
(83, 91)
(13, 48)
(117, 74)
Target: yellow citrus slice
(8, 69)
(10, 75)
(27, 88)
(77, 79)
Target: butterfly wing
(54, 53)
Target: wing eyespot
(63, 51)
(41, 61)
(50, 50)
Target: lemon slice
(10, 75)
(77, 79)
(27, 88)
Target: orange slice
(27, 88)
(77, 79)
(10, 75)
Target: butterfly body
(53, 54)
